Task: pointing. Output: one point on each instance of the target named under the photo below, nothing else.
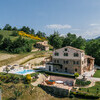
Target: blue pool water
(25, 72)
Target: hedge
(59, 74)
(84, 95)
(55, 91)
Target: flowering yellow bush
(30, 36)
(28, 78)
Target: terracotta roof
(72, 48)
(86, 56)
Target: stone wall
(55, 91)
(70, 66)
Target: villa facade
(69, 60)
(42, 45)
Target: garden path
(39, 80)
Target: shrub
(82, 83)
(84, 95)
(76, 75)
(58, 74)
(15, 33)
(28, 79)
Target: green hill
(7, 34)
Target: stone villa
(69, 60)
(42, 45)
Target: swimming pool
(25, 72)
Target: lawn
(28, 93)
(97, 74)
(92, 90)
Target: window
(56, 69)
(65, 69)
(65, 54)
(65, 49)
(73, 62)
(77, 62)
(75, 69)
(54, 61)
(76, 55)
(57, 61)
(56, 54)
(66, 62)
(60, 67)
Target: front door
(49, 68)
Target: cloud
(92, 33)
(58, 26)
(76, 29)
(94, 24)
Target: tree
(32, 32)
(1, 37)
(55, 40)
(69, 39)
(93, 49)
(14, 28)
(41, 34)
(7, 27)
(79, 43)
(25, 29)
(6, 43)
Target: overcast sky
(81, 17)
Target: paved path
(39, 80)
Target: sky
(81, 17)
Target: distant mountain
(98, 37)
(94, 38)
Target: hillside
(7, 34)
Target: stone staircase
(39, 80)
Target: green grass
(91, 90)
(7, 34)
(28, 93)
(97, 74)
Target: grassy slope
(97, 74)
(20, 56)
(92, 90)
(7, 34)
(30, 93)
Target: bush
(10, 78)
(58, 74)
(82, 83)
(15, 33)
(76, 75)
(28, 79)
(84, 95)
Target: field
(92, 90)
(97, 74)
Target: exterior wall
(70, 66)
(47, 67)
(70, 53)
(42, 45)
